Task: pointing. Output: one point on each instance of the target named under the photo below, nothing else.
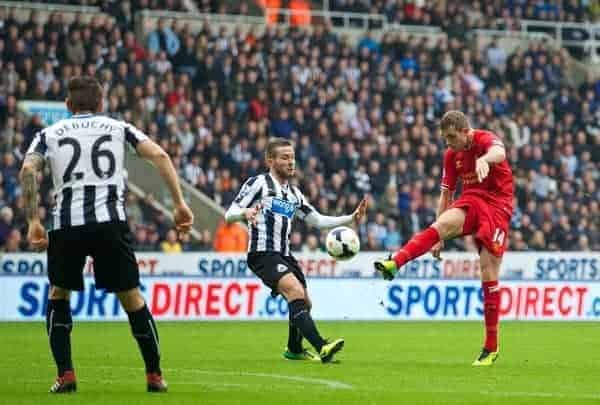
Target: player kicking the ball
(484, 210)
(269, 203)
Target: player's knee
(58, 293)
(450, 223)
(291, 288)
(131, 300)
(294, 293)
(446, 229)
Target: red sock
(491, 304)
(420, 244)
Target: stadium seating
(479, 13)
(364, 119)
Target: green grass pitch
(241, 363)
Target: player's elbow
(159, 158)
(314, 219)
(232, 214)
(152, 152)
(159, 155)
(502, 154)
(499, 154)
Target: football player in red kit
(484, 210)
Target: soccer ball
(342, 243)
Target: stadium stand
(479, 13)
(364, 119)
(124, 11)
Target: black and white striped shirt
(86, 155)
(280, 205)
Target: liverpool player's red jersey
(496, 188)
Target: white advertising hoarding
(572, 266)
(23, 298)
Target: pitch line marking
(329, 383)
(320, 381)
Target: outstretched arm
(318, 220)
(325, 221)
(235, 213)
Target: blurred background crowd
(363, 116)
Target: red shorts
(488, 224)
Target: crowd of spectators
(458, 18)
(475, 13)
(442, 13)
(124, 10)
(363, 118)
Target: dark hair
(275, 143)
(455, 119)
(85, 94)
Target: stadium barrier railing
(345, 20)
(572, 266)
(44, 10)
(583, 37)
(353, 25)
(207, 213)
(158, 206)
(512, 40)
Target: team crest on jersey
(283, 207)
(459, 164)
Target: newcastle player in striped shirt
(85, 155)
(269, 203)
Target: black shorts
(108, 243)
(271, 266)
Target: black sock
(59, 325)
(303, 321)
(294, 337)
(144, 330)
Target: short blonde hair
(275, 143)
(454, 119)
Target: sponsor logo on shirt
(282, 207)
(470, 178)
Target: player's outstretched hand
(482, 168)
(184, 218)
(252, 213)
(436, 250)
(360, 211)
(37, 237)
